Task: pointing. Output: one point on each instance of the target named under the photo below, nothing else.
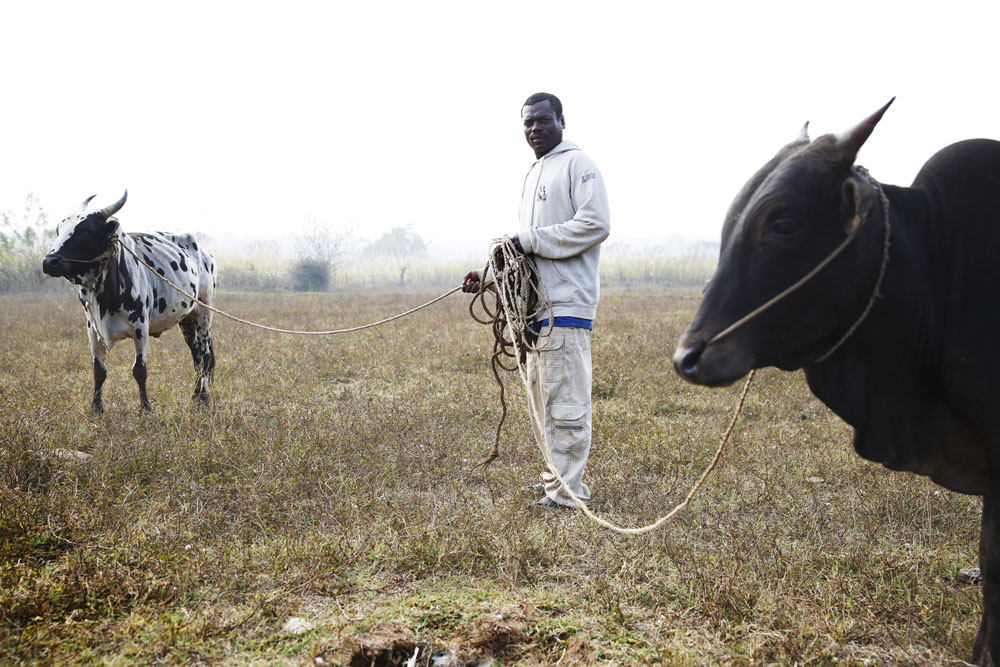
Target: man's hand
(471, 282)
(517, 244)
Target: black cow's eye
(781, 229)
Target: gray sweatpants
(559, 377)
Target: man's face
(542, 128)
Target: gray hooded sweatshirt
(564, 218)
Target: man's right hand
(517, 243)
(471, 282)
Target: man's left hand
(471, 282)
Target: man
(564, 219)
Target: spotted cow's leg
(197, 334)
(99, 355)
(139, 367)
(100, 374)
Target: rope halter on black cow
(856, 226)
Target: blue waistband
(577, 322)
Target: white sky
(250, 117)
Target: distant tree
(310, 275)
(25, 237)
(321, 250)
(401, 247)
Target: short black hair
(541, 97)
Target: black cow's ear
(111, 227)
(858, 199)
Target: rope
(518, 279)
(881, 272)
(856, 227)
(286, 331)
(511, 278)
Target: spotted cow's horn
(114, 208)
(87, 201)
(855, 138)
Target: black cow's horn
(87, 201)
(856, 137)
(109, 211)
(803, 134)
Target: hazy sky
(252, 118)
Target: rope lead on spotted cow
(297, 332)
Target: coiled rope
(516, 278)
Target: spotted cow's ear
(112, 226)
(858, 199)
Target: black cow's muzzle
(701, 359)
(686, 359)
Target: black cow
(123, 299)
(919, 379)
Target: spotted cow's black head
(82, 240)
(786, 220)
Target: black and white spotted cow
(122, 299)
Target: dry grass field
(329, 481)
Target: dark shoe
(548, 503)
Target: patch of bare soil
(385, 646)
(578, 652)
(488, 639)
